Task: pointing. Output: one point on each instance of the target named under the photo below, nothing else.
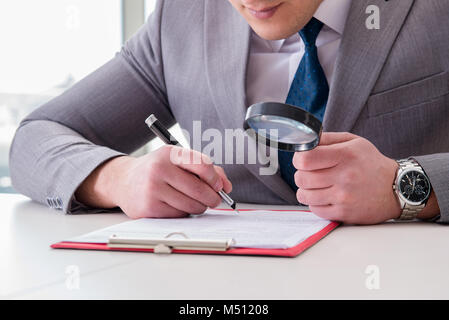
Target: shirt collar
(333, 13)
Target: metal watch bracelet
(408, 212)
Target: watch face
(414, 186)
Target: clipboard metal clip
(167, 244)
(162, 248)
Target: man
(208, 60)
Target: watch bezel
(399, 191)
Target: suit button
(49, 202)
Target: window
(47, 46)
(149, 7)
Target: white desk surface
(412, 259)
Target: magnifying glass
(290, 127)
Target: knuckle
(209, 175)
(340, 154)
(348, 136)
(206, 160)
(220, 170)
(206, 170)
(199, 158)
(348, 153)
(165, 150)
(345, 197)
(349, 176)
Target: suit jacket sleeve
(58, 145)
(436, 166)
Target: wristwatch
(412, 187)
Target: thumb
(329, 138)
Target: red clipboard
(289, 252)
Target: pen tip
(235, 208)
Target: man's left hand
(347, 179)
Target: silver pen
(159, 130)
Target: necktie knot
(310, 32)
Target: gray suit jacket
(189, 63)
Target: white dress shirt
(272, 65)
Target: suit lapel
(227, 40)
(227, 44)
(360, 60)
(362, 55)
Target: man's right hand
(154, 186)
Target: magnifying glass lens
(282, 129)
(292, 128)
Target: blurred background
(48, 45)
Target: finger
(198, 164)
(227, 185)
(192, 186)
(318, 179)
(325, 212)
(333, 149)
(329, 138)
(161, 210)
(180, 201)
(322, 157)
(315, 197)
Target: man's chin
(270, 32)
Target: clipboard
(179, 242)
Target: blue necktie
(309, 90)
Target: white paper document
(249, 229)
